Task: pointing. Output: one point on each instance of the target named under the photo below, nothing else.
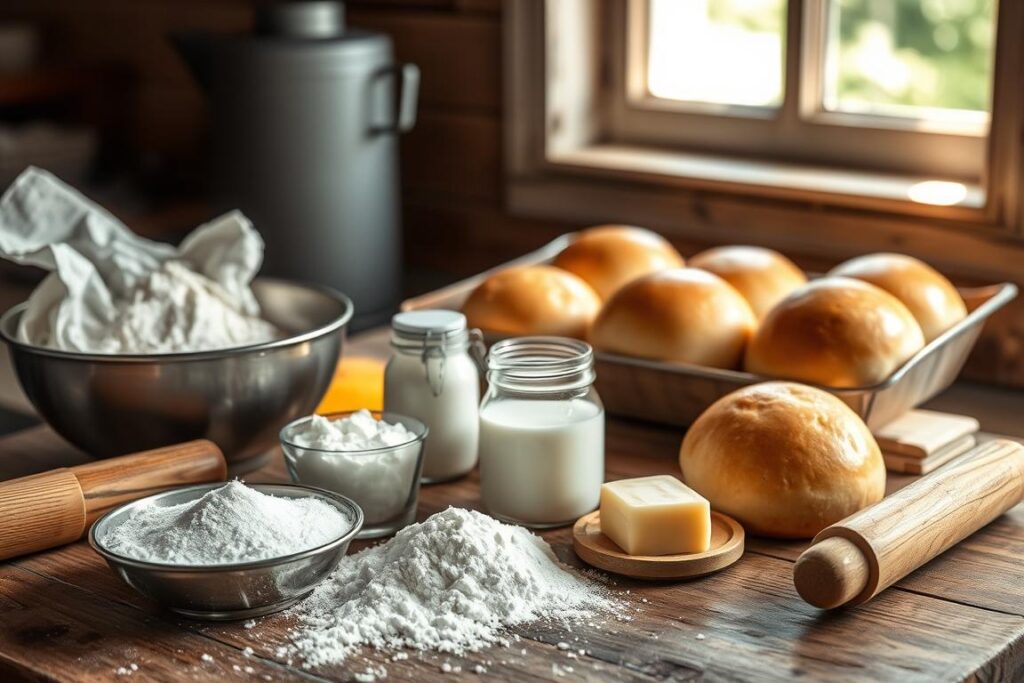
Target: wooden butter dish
(923, 433)
(904, 464)
(597, 550)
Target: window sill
(849, 188)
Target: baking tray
(676, 393)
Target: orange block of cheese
(655, 516)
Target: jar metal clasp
(434, 357)
(478, 351)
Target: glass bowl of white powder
(371, 457)
(228, 551)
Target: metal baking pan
(676, 393)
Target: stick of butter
(655, 516)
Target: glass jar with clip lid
(433, 375)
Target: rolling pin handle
(831, 573)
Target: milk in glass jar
(433, 377)
(541, 432)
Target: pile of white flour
(233, 523)
(451, 584)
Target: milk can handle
(408, 81)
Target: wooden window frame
(800, 130)
(563, 163)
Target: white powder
(381, 483)
(233, 523)
(454, 583)
(360, 431)
(177, 310)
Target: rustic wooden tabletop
(65, 616)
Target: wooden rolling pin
(57, 507)
(854, 560)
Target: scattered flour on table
(453, 583)
(233, 523)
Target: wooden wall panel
(453, 156)
(459, 57)
(463, 238)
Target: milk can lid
(430, 321)
(302, 19)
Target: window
(740, 45)
(929, 62)
(893, 86)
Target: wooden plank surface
(65, 616)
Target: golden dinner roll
(764, 277)
(784, 459)
(609, 256)
(683, 314)
(533, 300)
(837, 332)
(931, 298)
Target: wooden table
(65, 616)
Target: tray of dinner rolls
(883, 332)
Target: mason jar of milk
(432, 377)
(541, 432)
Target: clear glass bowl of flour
(372, 457)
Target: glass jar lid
(431, 323)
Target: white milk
(541, 461)
(451, 414)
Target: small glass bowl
(384, 482)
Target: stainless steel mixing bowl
(238, 398)
(228, 591)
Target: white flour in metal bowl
(230, 524)
(454, 583)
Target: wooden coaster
(597, 550)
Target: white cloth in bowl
(111, 291)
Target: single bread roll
(836, 332)
(609, 256)
(784, 459)
(931, 298)
(533, 300)
(764, 277)
(684, 315)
